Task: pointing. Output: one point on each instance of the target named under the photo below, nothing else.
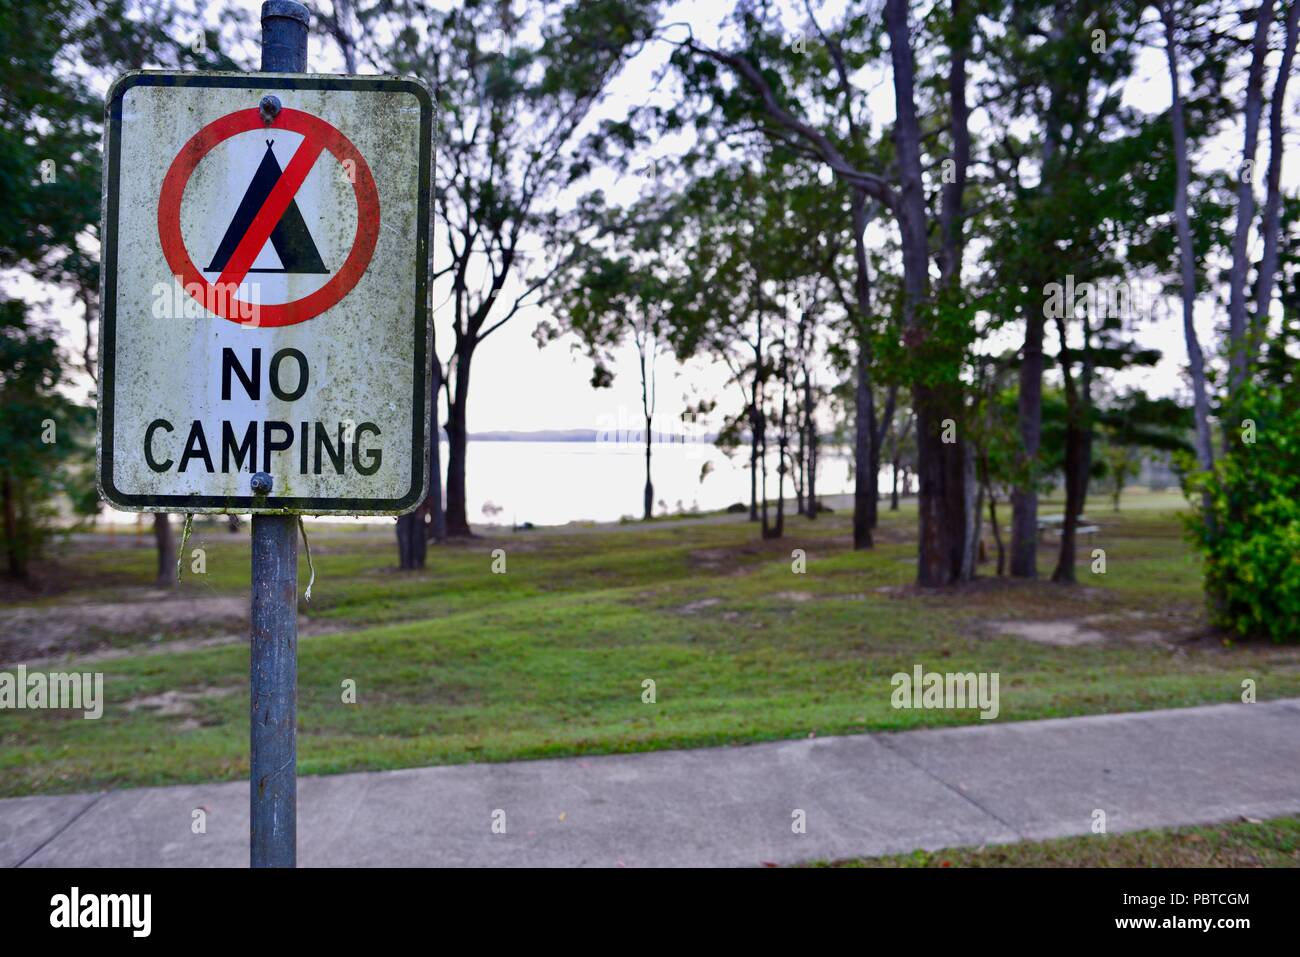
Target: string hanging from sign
(185, 537)
(311, 569)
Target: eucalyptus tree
(1181, 138)
(515, 88)
(764, 237)
(725, 311)
(785, 92)
(1246, 324)
(1202, 40)
(622, 291)
(1066, 165)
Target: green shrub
(1251, 544)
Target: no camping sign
(265, 283)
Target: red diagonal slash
(277, 201)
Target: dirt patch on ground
(47, 578)
(1059, 633)
(692, 607)
(46, 631)
(102, 648)
(179, 704)
(738, 560)
(1132, 627)
(153, 619)
(713, 560)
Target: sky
(518, 386)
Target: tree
(1134, 423)
(934, 339)
(43, 447)
(1238, 347)
(1186, 251)
(1056, 79)
(902, 452)
(764, 237)
(625, 293)
(513, 92)
(993, 438)
(49, 161)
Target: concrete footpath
(733, 806)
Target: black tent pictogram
(292, 242)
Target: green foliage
(1251, 541)
(50, 123)
(48, 164)
(626, 290)
(43, 438)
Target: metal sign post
(264, 336)
(273, 655)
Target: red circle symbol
(219, 297)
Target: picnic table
(1056, 523)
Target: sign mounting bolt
(261, 483)
(269, 108)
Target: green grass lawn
(1273, 843)
(457, 663)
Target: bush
(1251, 544)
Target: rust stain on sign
(265, 294)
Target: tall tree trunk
(1238, 357)
(1029, 413)
(762, 469)
(166, 542)
(864, 470)
(1029, 402)
(810, 405)
(1085, 387)
(1269, 228)
(973, 514)
(1078, 449)
(951, 254)
(437, 525)
(896, 455)
(997, 532)
(649, 502)
(427, 523)
(782, 447)
(457, 446)
(753, 464)
(1187, 257)
(804, 454)
(800, 474)
(16, 553)
(412, 541)
(939, 464)
(645, 349)
(952, 210)
(884, 426)
(1065, 571)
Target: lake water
(550, 483)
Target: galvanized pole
(273, 713)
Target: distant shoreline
(610, 436)
(614, 436)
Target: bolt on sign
(265, 287)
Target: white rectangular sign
(265, 284)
